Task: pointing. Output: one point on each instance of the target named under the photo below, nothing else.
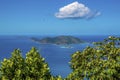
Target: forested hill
(59, 40)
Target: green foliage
(13, 67)
(33, 67)
(56, 78)
(36, 67)
(101, 62)
(0, 75)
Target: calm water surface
(55, 56)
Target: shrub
(101, 62)
(33, 67)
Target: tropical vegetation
(98, 62)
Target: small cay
(59, 40)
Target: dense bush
(33, 67)
(101, 62)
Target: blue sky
(59, 17)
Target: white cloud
(76, 10)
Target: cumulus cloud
(76, 10)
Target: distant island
(59, 40)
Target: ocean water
(56, 57)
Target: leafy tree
(13, 68)
(101, 62)
(36, 67)
(0, 75)
(33, 67)
(56, 78)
